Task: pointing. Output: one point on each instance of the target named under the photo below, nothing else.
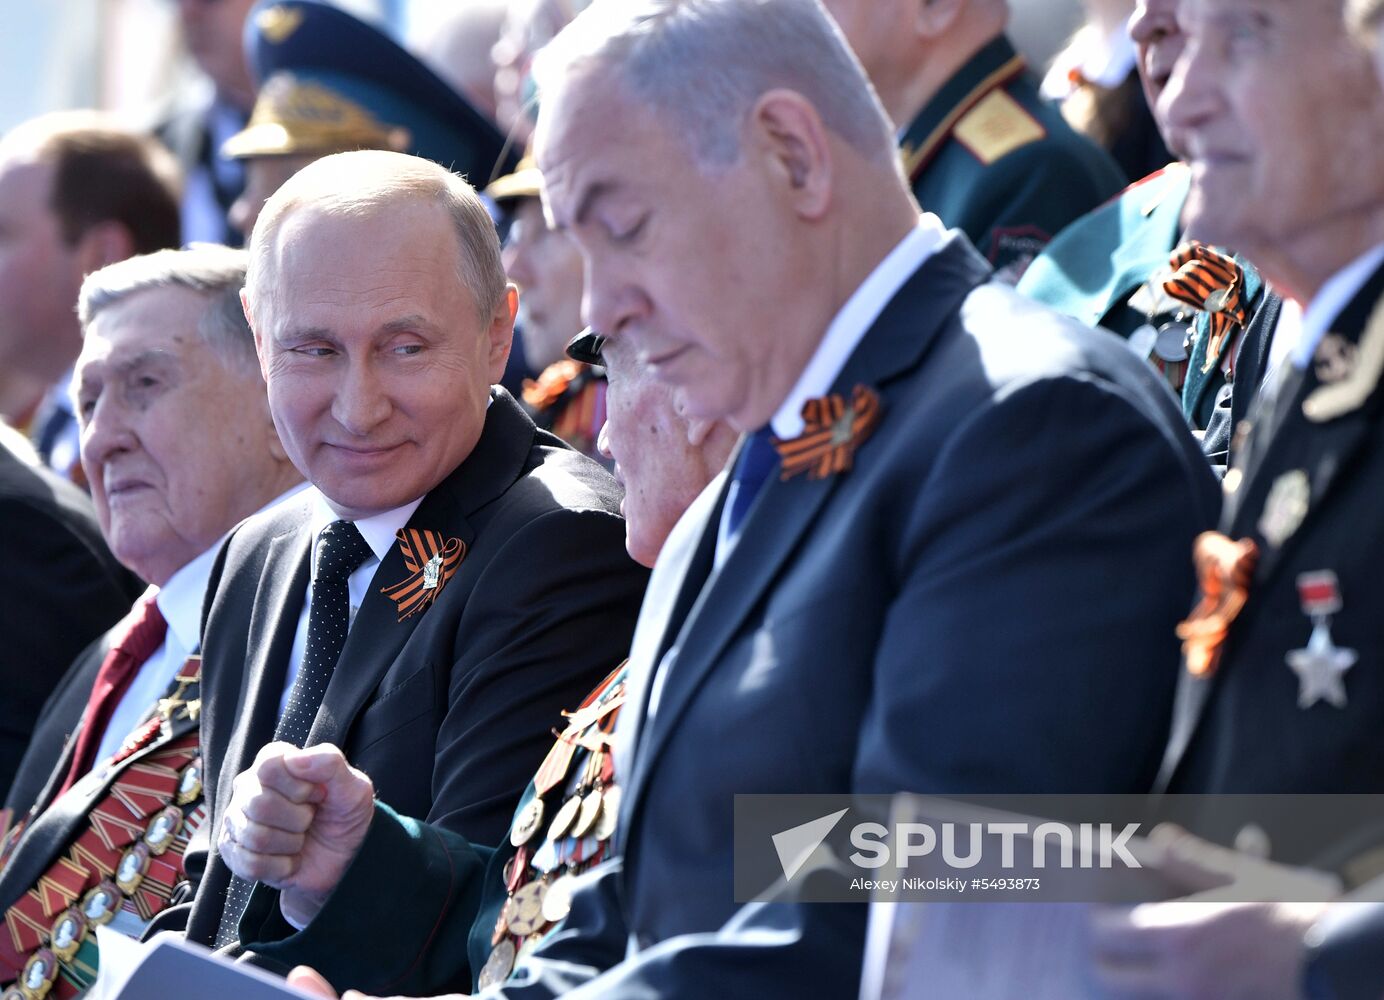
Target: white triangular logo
(797, 844)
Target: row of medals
(101, 904)
(539, 882)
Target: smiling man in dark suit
(456, 577)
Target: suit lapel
(244, 719)
(784, 511)
(1253, 356)
(377, 636)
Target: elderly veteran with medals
(471, 909)
(455, 578)
(178, 444)
(1282, 690)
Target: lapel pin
(431, 561)
(1348, 377)
(832, 433)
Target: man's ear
(501, 332)
(104, 243)
(936, 17)
(255, 331)
(791, 134)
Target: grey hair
(702, 64)
(214, 271)
(360, 184)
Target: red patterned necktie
(140, 633)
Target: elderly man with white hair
(178, 446)
(455, 576)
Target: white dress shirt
(379, 531)
(180, 603)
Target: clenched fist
(295, 822)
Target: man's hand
(295, 822)
(311, 982)
(1203, 946)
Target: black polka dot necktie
(340, 551)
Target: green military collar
(993, 66)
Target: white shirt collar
(855, 318)
(180, 599)
(1328, 304)
(378, 530)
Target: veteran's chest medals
(1321, 665)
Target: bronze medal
(501, 928)
(498, 966)
(557, 901)
(513, 871)
(610, 812)
(37, 978)
(586, 816)
(566, 816)
(524, 911)
(527, 824)
(68, 933)
(13, 993)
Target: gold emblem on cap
(294, 116)
(1286, 507)
(278, 22)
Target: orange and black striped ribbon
(1224, 568)
(1209, 281)
(834, 430)
(419, 546)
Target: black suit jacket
(1241, 730)
(985, 602)
(449, 711)
(60, 588)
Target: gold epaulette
(997, 126)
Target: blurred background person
(566, 397)
(981, 148)
(77, 192)
(458, 42)
(1095, 80)
(203, 118)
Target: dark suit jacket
(60, 588)
(1241, 730)
(449, 711)
(1346, 961)
(984, 603)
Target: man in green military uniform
(982, 149)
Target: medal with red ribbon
(834, 430)
(431, 561)
(1321, 665)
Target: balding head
(365, 184)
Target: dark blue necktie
(756, 460)
(341, 549)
